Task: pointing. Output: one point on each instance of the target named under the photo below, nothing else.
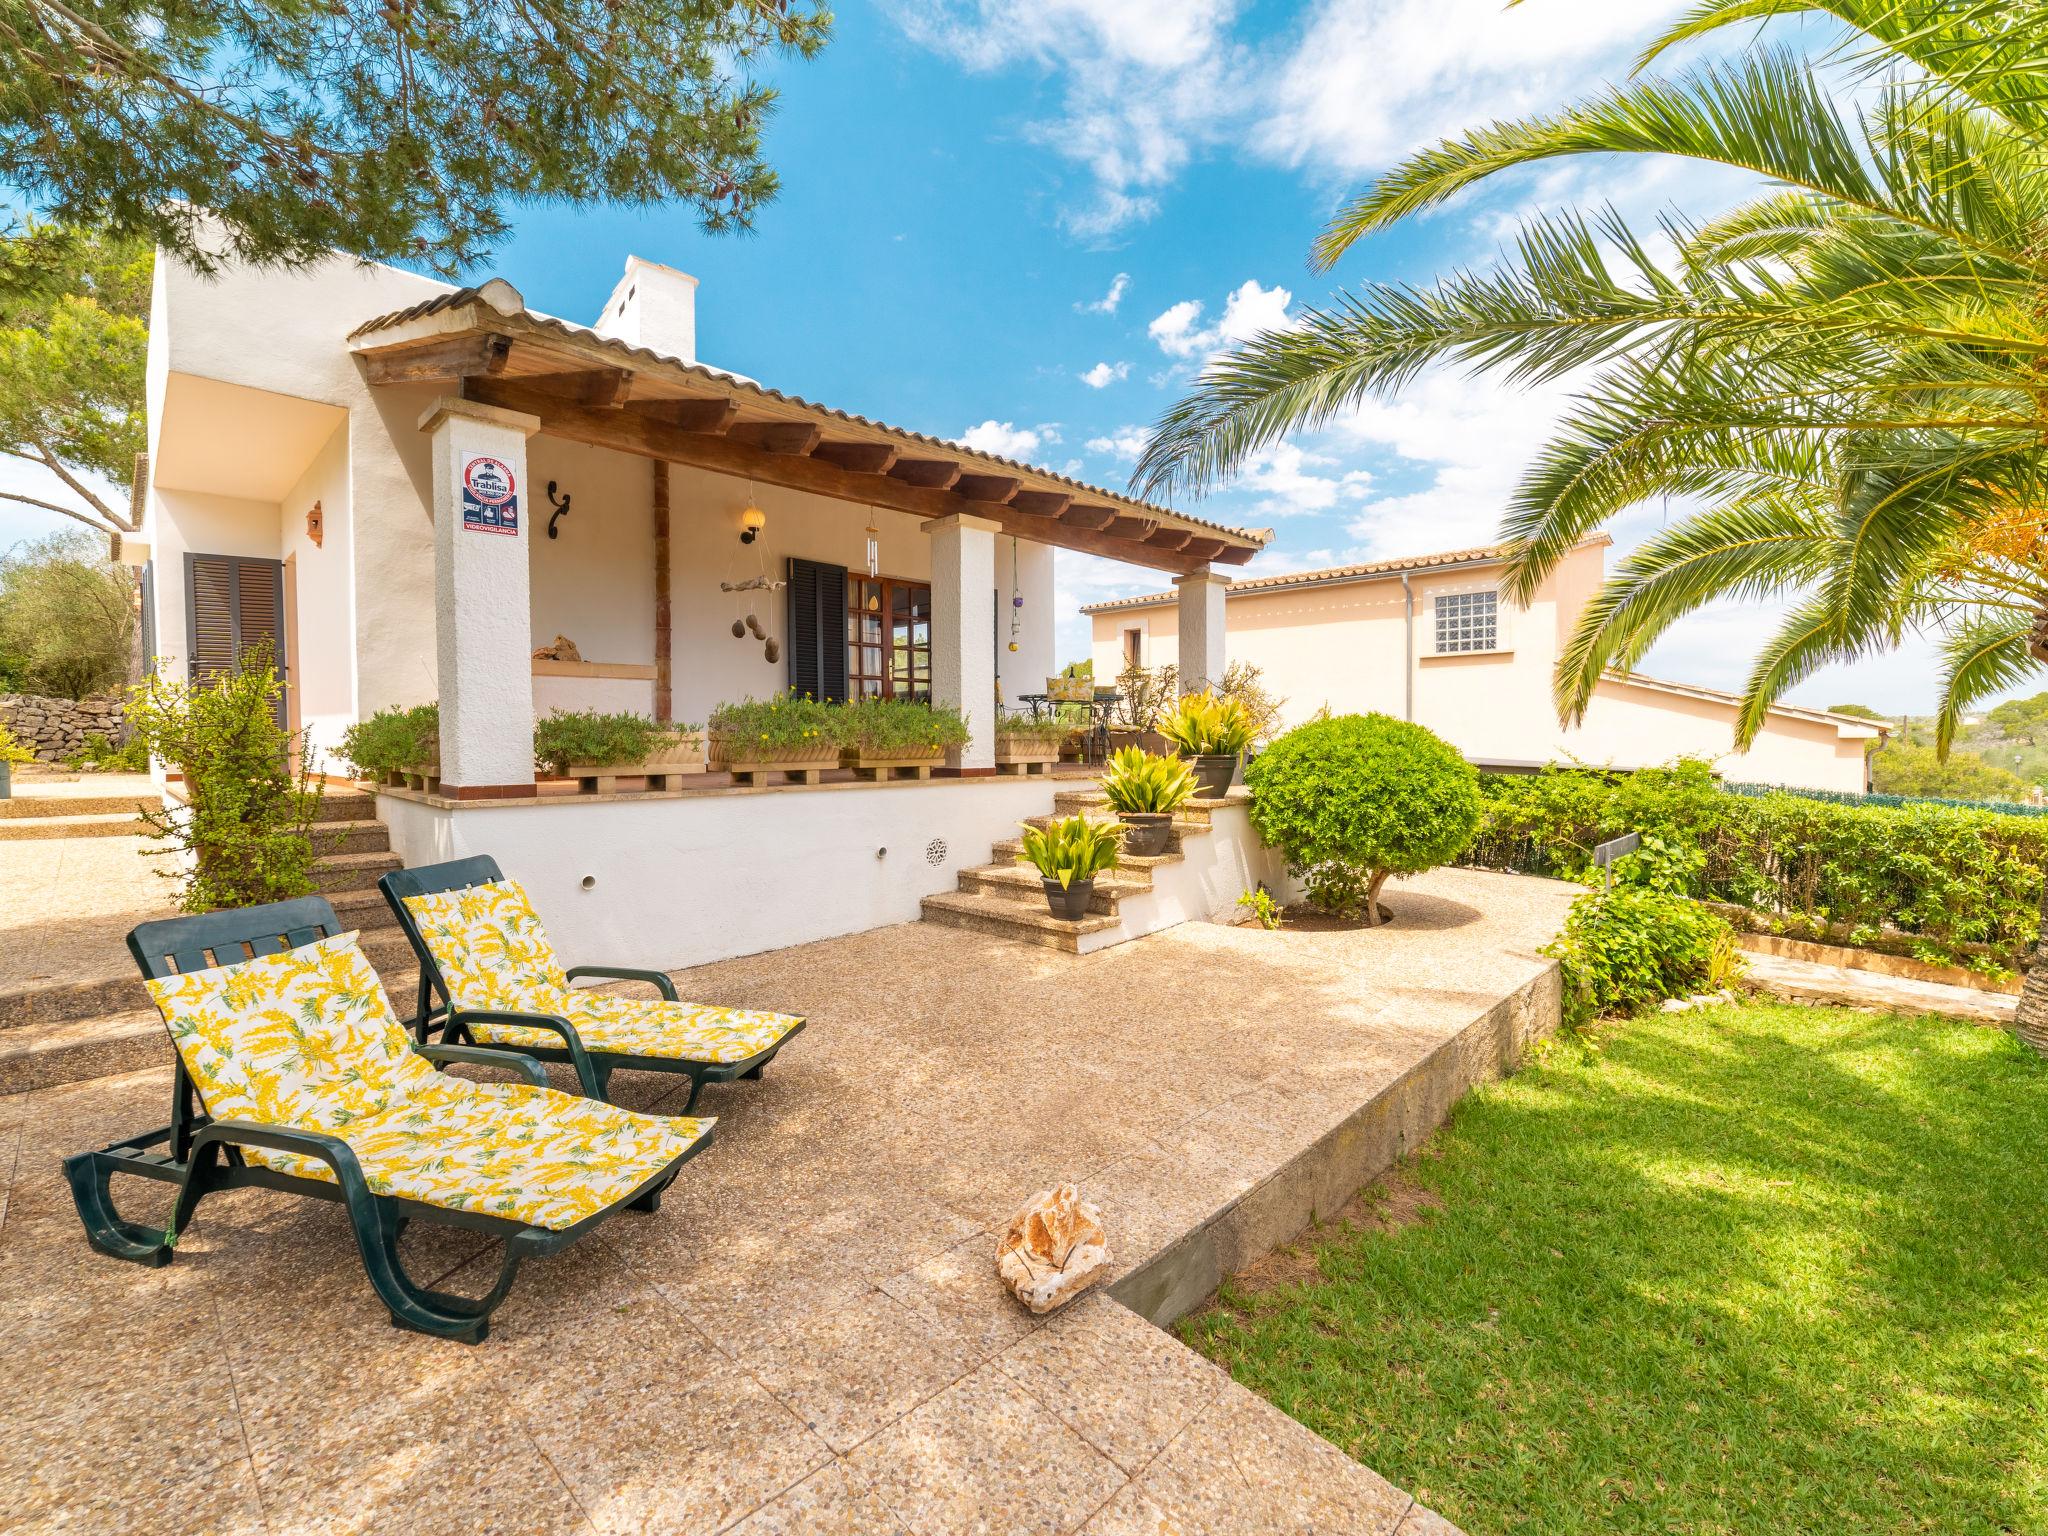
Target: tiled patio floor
(808, 1337)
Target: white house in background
(1431, 640)
(405, 488)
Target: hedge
(1941, 883)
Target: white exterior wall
(319, 584)
(681, 881)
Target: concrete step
(77, 1049)
(38, 1005)
(22, 828)
(984, 913)
(365, 910)
(337, 872)
(74, 805)
(346, 805)
(1021, 884)
(1012, 848)
(350, 837)
(1181, 829)
(1092, 802)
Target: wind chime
(752, 521)
(874, 547)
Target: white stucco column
(964, 631)
(1201, 629)
(482, 604)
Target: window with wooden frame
(888, 638)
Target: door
(234, 610)
(889, 638)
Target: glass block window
(1467, 621)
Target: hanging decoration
(1016, 598)
(752, 521)
(874, 546)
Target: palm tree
(1848, 373)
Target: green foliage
(2021, 719)
(243, 836)
(393, 739)
(1949, 878)
(904, 727)
(1073, 849)
(1206, 725)
(12, 751)
(1139, 783)
(1246, 684)
(74, 317)
(98, 753)
(1262, 906)
(1628, 949)
(1049, 730)
(67, 616)
(1144, 695)
(1902, 768)
(1350, 800)
(763, 729)
(396, 135)
(588, 738)
(1658, 1247)
(1666, 864)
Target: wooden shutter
(149, 646)
(817, 628)
(234, 609)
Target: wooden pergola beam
(999, 488)
(638, 433)
(602, 388)
(931, 474)
(791, 437)
(1170, 538)
(453, 357)
(1042, 503)
(712, 417)
(1130, 526)
(861, 458)
(1202, 549)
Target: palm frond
(1982, 656)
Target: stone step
(1010, 849)
(345, 805)
(76, 1049)
(1021, 884)
(350, 837)
(75, 805)
(365, 910)
(38, 1005)
(1181, 829)
(1094, 802)
(21, 828)
(337, 872)
(1011, 919)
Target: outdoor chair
(293, 1073)
(489, 977)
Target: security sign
(490, 495)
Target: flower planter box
(749, 765)
(888, 765)
(424, 776)
(1026, 754)
(679, 756)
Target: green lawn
(1755, 1269)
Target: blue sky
(1025, 226)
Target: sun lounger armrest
(480, 1056)
(331, 1150)
(656, 979)
(586, 1073)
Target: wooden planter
(872, 764)
(803, 765)
(1026, 754)
(679, 755)
(424, 776)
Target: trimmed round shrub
(1351, 800)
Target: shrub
(588, 738)
(100, 753)
(1207, 725)
(1139, 783)
(761, 729)
(900, 727)
(1351, 800)
(67, 616)
(1628, 949)
(243, 835)
(1070, 850)
(392, 739)
(12, 751)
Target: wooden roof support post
(664, 703)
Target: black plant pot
(1146, 832)
(1071, 903)
(1213, 775)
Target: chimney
(653, 307)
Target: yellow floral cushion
(494, 956)
(307, 1040)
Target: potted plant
(1069, 855)
(11, 752)
(394, 745)
(598, 749)
(878, 738)
(791, 733)
(1212, 734)
(1145, 791)
(1026, 745)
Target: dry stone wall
(54, 729)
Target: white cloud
(1006, 439)
(1106, 305)
(1102, 375)
(1249, 309)
(1123, 443)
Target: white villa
(405, 489)
(1432, 640)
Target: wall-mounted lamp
(752, 521)
(561, 506)
(316, 526)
